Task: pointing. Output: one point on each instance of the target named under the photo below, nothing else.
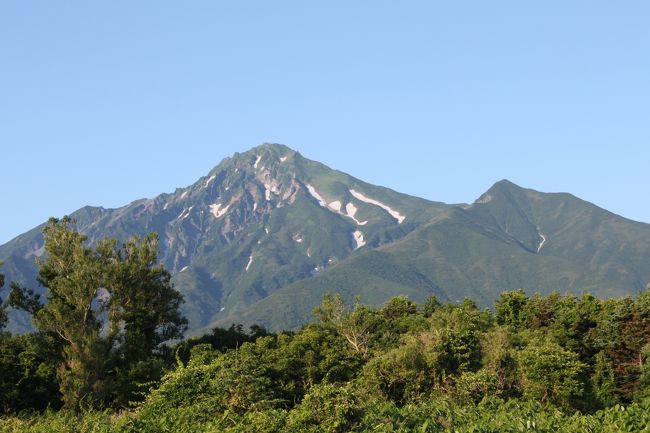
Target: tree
(350, 323)
(603, 382)
(3, 313)
(110, 307)
(550, 373)
(143, 312)
(645, 371)
(511, 308)
(398, 307)
(431, 304)
(461, 327)
(28, 372)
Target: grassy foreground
(344, 412)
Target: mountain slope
(267, 232)
(257, 222)
(509, 238)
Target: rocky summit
(266, 233)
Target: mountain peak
(505, 181)
(266, 232)
(275, 149)
(504, 186)
(265, 155)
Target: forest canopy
(107, 356)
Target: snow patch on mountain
(282, 159)
(210, 179)
(336, 205)
(250, 261)
(257, 161)
(351, 211)
(316, 195)
(217, 211)
(270, 187)
(184, 268)
(359, 196)
(543, 238)
(358, 239)
(185, 213)
(183, 195)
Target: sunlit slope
(257, 222)
(509, 238)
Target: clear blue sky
(102, 103)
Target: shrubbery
(546, 364)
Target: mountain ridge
(267, 227)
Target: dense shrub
(545, 364)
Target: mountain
(257, 222)
(267, 232)
(509, 238)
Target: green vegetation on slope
(266, 233)
(240, 233)
(543, 363)
(108, 311)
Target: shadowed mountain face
(267, 232)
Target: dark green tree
(431, 304)
(111, 308)
(143, 312)
(511, 308)
(398, 307)
(603, 382)
(550, 373)
(3, 312)
(28, 372)
(645, 372)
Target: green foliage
(645, 372)
(430, 305)
(603, 382)
(234, 382)
(460, 327)
(312, 356)
(327, 408)
(109, 308)
(474, 386)
(498, 357)
(406, 372)
(398, 307)
(354, 324)
(27, 372)
(3, 312)
(550, 373)
(220, 339)
(459, 370)
(511, 309)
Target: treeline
(556, 363)
(101, 332)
